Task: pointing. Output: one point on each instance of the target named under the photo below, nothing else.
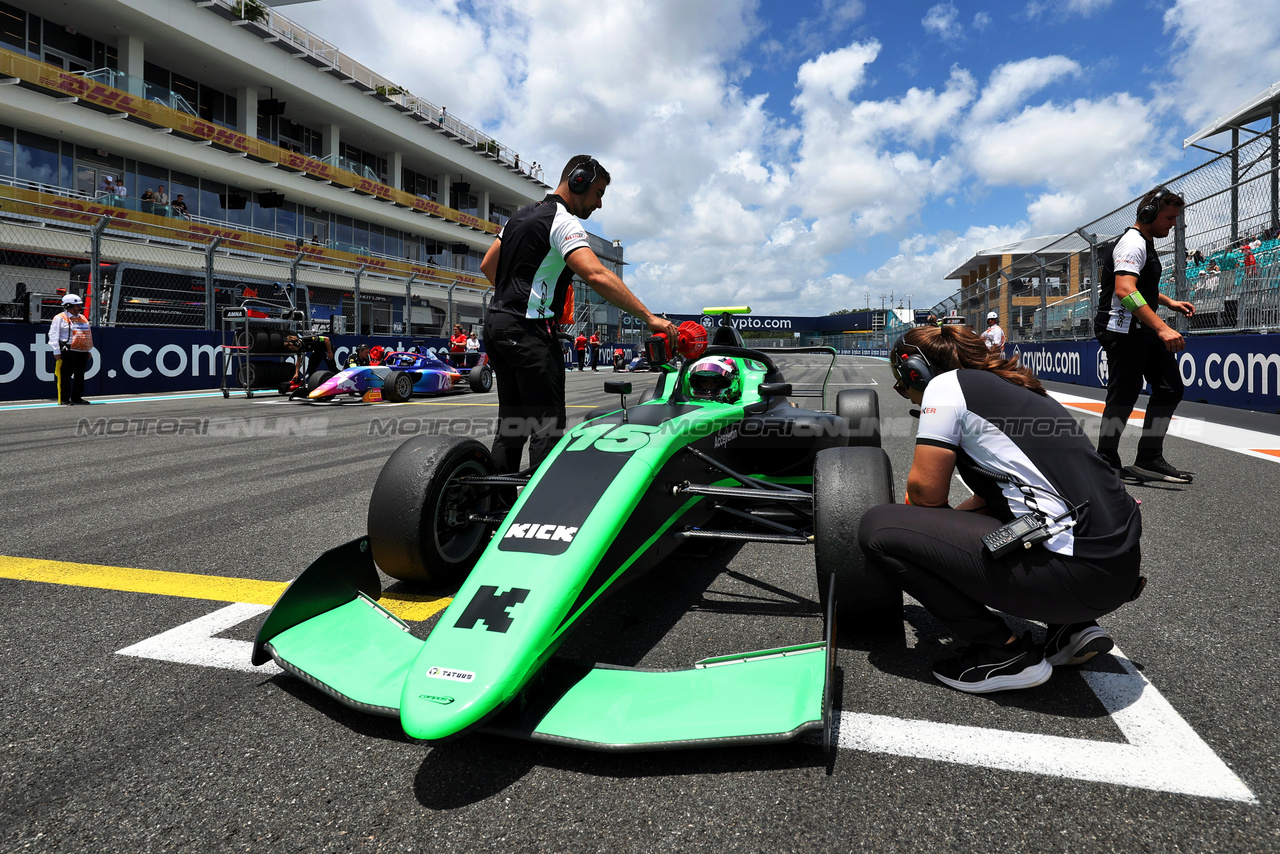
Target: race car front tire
(419, 513)
(861, 408)
(846, 483)
(398, 387)
(318, 378)
(481, 379)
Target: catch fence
(1223, 256)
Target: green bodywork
(495, 641)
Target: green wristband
(1133, 302)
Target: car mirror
(775, 389)
(622, 388)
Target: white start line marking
(1161, 753)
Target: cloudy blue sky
(808, 155)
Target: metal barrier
(144, 271)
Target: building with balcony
(291, 160)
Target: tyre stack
(262, 371)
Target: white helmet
(991, 315)
(72, 299)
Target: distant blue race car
(399, 377)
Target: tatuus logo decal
(452, 675)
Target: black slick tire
(846, 483)
(481, 379)
(861, 408)
(418, 513)
(318, 378)
(397, 387)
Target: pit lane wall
(1241, 371)
(142, 361)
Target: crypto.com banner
(1242, 371)
(133, 361)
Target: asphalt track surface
(1171, 746)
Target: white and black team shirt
(993, 424)
(532, 276)
(1132, 254)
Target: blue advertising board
(133, 361)
(1242, 371)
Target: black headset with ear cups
(913, 369)
(583, 176)
(1147, 213)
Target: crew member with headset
(1139, 345)
(1026, 458)
(531, 266)
(71, 340)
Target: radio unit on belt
(1024, 532)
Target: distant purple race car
(399, 377)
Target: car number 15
(612, 437)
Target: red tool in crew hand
(691, 342)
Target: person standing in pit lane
(71, 341)
(993, 335)
(1139, 345)
(594, 342)
(531, 266)
(1023, 455)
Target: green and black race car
(717, 453)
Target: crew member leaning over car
(531, 266)
(310, 348)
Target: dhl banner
(49, 77)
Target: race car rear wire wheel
(847, 482)
(420, 514)
(861, 408)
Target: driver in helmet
(71, 340)
(714, 378)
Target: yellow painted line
(407, 606)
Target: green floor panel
(358, 653)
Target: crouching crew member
(1023, 455)
(71, 340)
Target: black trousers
(69, 372)
(595, 357)
(1131, 358)
(582, 357)
(530, 376)
(937, 556)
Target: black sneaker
(1075, 643)
(1112, 459)
(1157, 468)
(981, 669)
